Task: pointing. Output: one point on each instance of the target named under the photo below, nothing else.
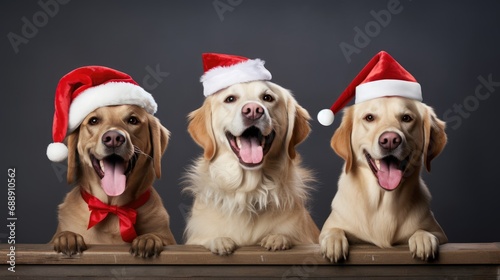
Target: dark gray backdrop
(453, 50)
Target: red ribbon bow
(126, 214)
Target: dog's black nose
(252, 111)
(389, 140)
(113, 139)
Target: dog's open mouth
(251, 146)
(113, 171)
(388, 170)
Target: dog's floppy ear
(159, 136)
(72, 141)
(200, 129)
(298, 123)
(341, 140)
(434, 136)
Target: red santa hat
(85, 89)
(382, 76)
(224, 70)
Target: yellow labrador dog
(248, 186)
(114, 155)
(381, 198)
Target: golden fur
(236, 204)
(146, 141)
(363, 212)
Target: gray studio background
(452, 48)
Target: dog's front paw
(275, 242)
(222, 246)
(147, 245)
(334, 245)
(69, 243)
(423, 245)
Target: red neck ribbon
(126, 213)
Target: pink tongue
(114, 179)
(389, 175)
(251, 151)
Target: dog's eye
(230, 99)
(133, 120)
(406, 118)
(369, 118)
(268, 98)
(93, 121)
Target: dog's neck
(237, 190)
(379, 198)
(375, 206)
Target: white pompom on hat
(224, 70)
(382, 76)
(85, 89)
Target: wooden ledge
(458, 260)
(452, 253)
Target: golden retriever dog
(115, 155)
(248, 186)
(381, 198)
